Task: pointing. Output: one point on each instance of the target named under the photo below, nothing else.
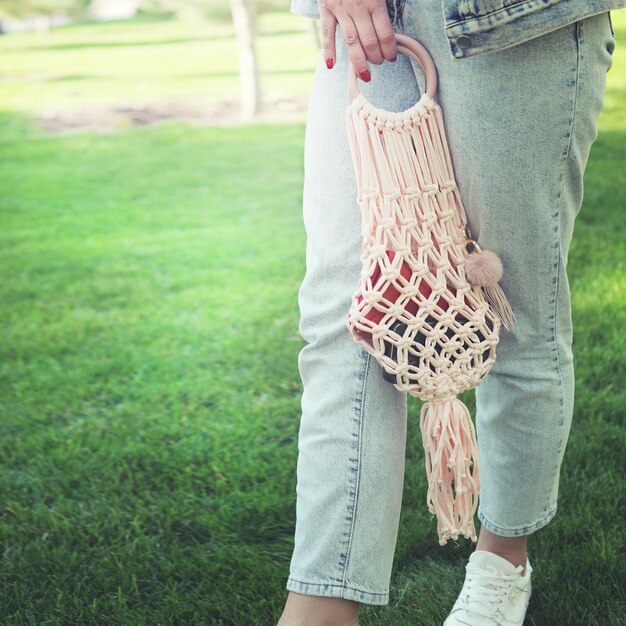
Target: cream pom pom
(483, 269)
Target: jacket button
(464, 41)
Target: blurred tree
(113, 9)
(41, 10)
(244, 16)
(244, 22)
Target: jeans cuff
(516, 532)
(337, 590)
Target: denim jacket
(474, 27)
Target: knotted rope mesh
(414, 309)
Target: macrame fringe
(450, 447)
(499, 305)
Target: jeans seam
(579, 35)
(559, 247)
(355, 499)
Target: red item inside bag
(391, 294)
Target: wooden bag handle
(415, 50)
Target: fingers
(366, 30)
(360, 36)
(329, 28)
(355, 50)
(384, 32)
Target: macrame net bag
(427, 305)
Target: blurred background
(151, 250)
(115, 62)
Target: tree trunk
(42, 25)
(245, 30)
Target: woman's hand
(366, 30)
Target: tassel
(450, 447)
(484, 269)
(499, 305)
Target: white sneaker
(495, 593)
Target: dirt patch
(212, 113)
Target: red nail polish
(329, 63)
(365, 75)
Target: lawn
(149, 392)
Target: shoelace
(488, 590)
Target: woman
(521, 86)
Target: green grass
(149, 393)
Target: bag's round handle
(411, 48)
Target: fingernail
(329, 63)
(365, 75)
(394, 59)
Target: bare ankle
(513, 549)
(309, 610)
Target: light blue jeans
(520, 124)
